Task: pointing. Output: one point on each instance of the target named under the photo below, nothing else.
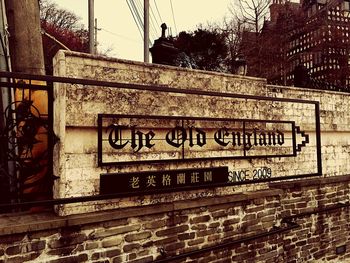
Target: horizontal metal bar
(167, 117)
(229, 243)
(91, 198)
(319, 211)
(158, 88)
(23, 86)
(248, 157)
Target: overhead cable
(152, 29)
(157, 23)
(137, 14)
(172, 11)
(133, 15)
(160, 17)
(121, 36)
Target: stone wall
(77, 107)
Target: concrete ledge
(24, 222)
(158, 66)
(310, 182)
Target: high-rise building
(310, 36)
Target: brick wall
(277, 225)
(321, 209)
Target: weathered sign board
(163, 181)
(126, 139)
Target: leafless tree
(250, 12)
(61, 18)
(233, 29)
(61, 30)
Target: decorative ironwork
(305, 140)
(26, 147)
(26, 133)
(190, 138)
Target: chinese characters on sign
(162, 181)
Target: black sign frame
(316, 105)
(184, 158)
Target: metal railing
(26, 141)
(25, 123)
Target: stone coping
(317, 181)
(17, 223)
(159, 66)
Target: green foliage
(206, 48)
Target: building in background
(305, 44)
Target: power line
(137, 17)
(137, 14)
(172, 11)
(138, 27)
(121, 36)
(152, 28)
(139, 7)
(156, 22)
(153, 15)
(155, 4)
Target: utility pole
(4, 48)
(25, 36)
(27, 56)
(146, 31)
(6, 185)
(91, 27)
(95, 30)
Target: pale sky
(119, 31)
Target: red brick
(129, 247)
(101, 233)
(214, 225)
(249, 217)
(215, 237)
(196, 242)
(176, 220)
(172, 230)
(186, 236)
(232, 221)
(155, 224)
(206, 232)
(164, 241)
(219, 214)
(142, 260)
(200, 219)
(70, 259)
(199, 227)
(138, 236)
(25, 247)
(174, 246)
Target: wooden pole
(27, 56)
(91, 27)
(25, 36)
